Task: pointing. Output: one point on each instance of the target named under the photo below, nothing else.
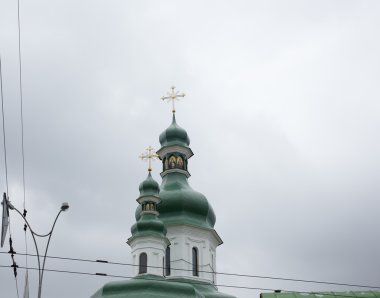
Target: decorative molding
(168, 149)
(149, 212)
(133, 241)
(196, 240)
(175, 171)
(143, 199)
(193, 230)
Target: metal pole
(47, 247)
(34, 239)
(64, 207)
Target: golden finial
(173, 96)
(149, 155)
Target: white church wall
(155, 250)
(183, 239)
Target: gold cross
(173, 96)
(149, 155)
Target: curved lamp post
(64, 207)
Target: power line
(6, 165)
(180, 281)
(219, 273)
(3, 118)
(21, 98)
(22, 126)
(6, 170)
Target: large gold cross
(173, 96)
(149, 155)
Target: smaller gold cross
(149, 155)
(173, 96)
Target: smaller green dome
(174, 135)
(148, 225)
(149, 187)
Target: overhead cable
(21, 98)
(3, 118)
(190, 282)
(11, 251)
(213, 272)
(22, 130)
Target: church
(173, 241)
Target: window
(143, 263)
(195, 262)
(167, 261)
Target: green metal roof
(148, 225)
(180, 204)
(149, 187)
(348, 294)
(152, 286)
(174, 135)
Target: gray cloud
(282, 111)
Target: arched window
(195, 262)
(143, 265)
(167, 261)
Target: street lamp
(8, 206)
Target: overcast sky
(282, 108)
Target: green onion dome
(149, 187)
(148, 225)
(180, 204)
(174, 135)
